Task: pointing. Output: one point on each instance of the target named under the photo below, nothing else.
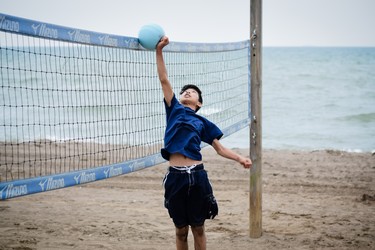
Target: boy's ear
(199, 104)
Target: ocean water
(313, 98)
(316, 98)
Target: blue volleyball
(149, 35)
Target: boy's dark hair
(192, 86)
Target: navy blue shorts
(188, 196)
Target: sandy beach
(311, 200)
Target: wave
(362, 118)
(209, 111)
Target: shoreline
(318, 199)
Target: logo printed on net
(138, 166)
(78, 36)
(108, 41)
(112, 171)
(131, 43)
(84, 178)
(13, 191)
(10, 25)
(51, 184)
(44, 31)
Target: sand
(311, 200)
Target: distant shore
(311, 200)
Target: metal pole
(256, 119)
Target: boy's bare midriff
(180, 160)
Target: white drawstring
(186, 168)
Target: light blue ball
(149, 35)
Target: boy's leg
(199, 237)
(181, 238)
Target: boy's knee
(182, 233)
(198, 230)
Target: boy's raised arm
(162, 71)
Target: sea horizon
(316, 98)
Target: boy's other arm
(162, 71)
(227, 153)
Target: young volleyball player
(188, 192)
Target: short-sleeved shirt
(186, 130)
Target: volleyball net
(78, 106)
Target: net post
(255, 211)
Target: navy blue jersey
(186, 130)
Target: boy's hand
(245, 162)
(164, 41)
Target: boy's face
(190, 97)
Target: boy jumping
(188, 192)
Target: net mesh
(68, 106)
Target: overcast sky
(285, 22)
